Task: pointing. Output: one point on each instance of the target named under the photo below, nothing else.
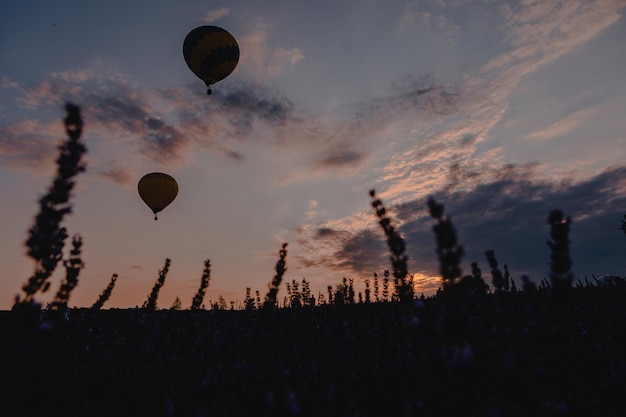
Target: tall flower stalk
(560, 262)
(104, 296)
(270, 298)
(448, 249)
(150, 303)
(46, 237)
(397, 248)
(204, 284)
(497, 279)
(73, 266)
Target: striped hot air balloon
(211, 53)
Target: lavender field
(477, 347)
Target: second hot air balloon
(211, 53)
(157, 190)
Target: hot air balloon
(157, 190)
(211, 53)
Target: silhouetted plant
(177, 305)
(507, 278)
(46, 236)
(513, 285)
(150, 303)
(386, 286)
(376, 288)
(476, 272)
(104, 296)
(351, 291)
(204, 284)
(321, 298)
(270, 298)
(342, 292)
(73, 265)
(397, 247)
(308, 300)
(294, 294)
(560, 262)
(496, 275)
(623, 226)
(472, 285)
(367, 290)
(248, 301)
(220, 304)
(448, 250)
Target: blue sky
(501, 110)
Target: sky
(500, 110)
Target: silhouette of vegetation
(397, 248)
(104, 296)
(150, 303)
(448, 250)
(46, 237)
(73, 266)
(270, 298)
(177, 305)
(466, 350)
(560, 262)
(497, 279)
(204, 284)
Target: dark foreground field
(517, 353)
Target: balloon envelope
(211, 53)
(157, 190)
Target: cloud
(340, 157)
(213, 15)
(118, 175)
(427, 23)
(249, 103)
(282, 59)
(563, 126)
(29, 145)
(507, 213)
(262, 61)
(536, 34)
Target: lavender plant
(507, 278)
(448, 250)
(177, 305)
(73, 266)
(270, 298)
(496, 275)
(306, 293)
(397, 249)
(46, 236)
(150, 303)
(342, 292)
(386, 286)
(248, 301)
(376, 288)
(204, 284)
(296, 298)
(560, 262)
(476, 272)
(105, 295)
